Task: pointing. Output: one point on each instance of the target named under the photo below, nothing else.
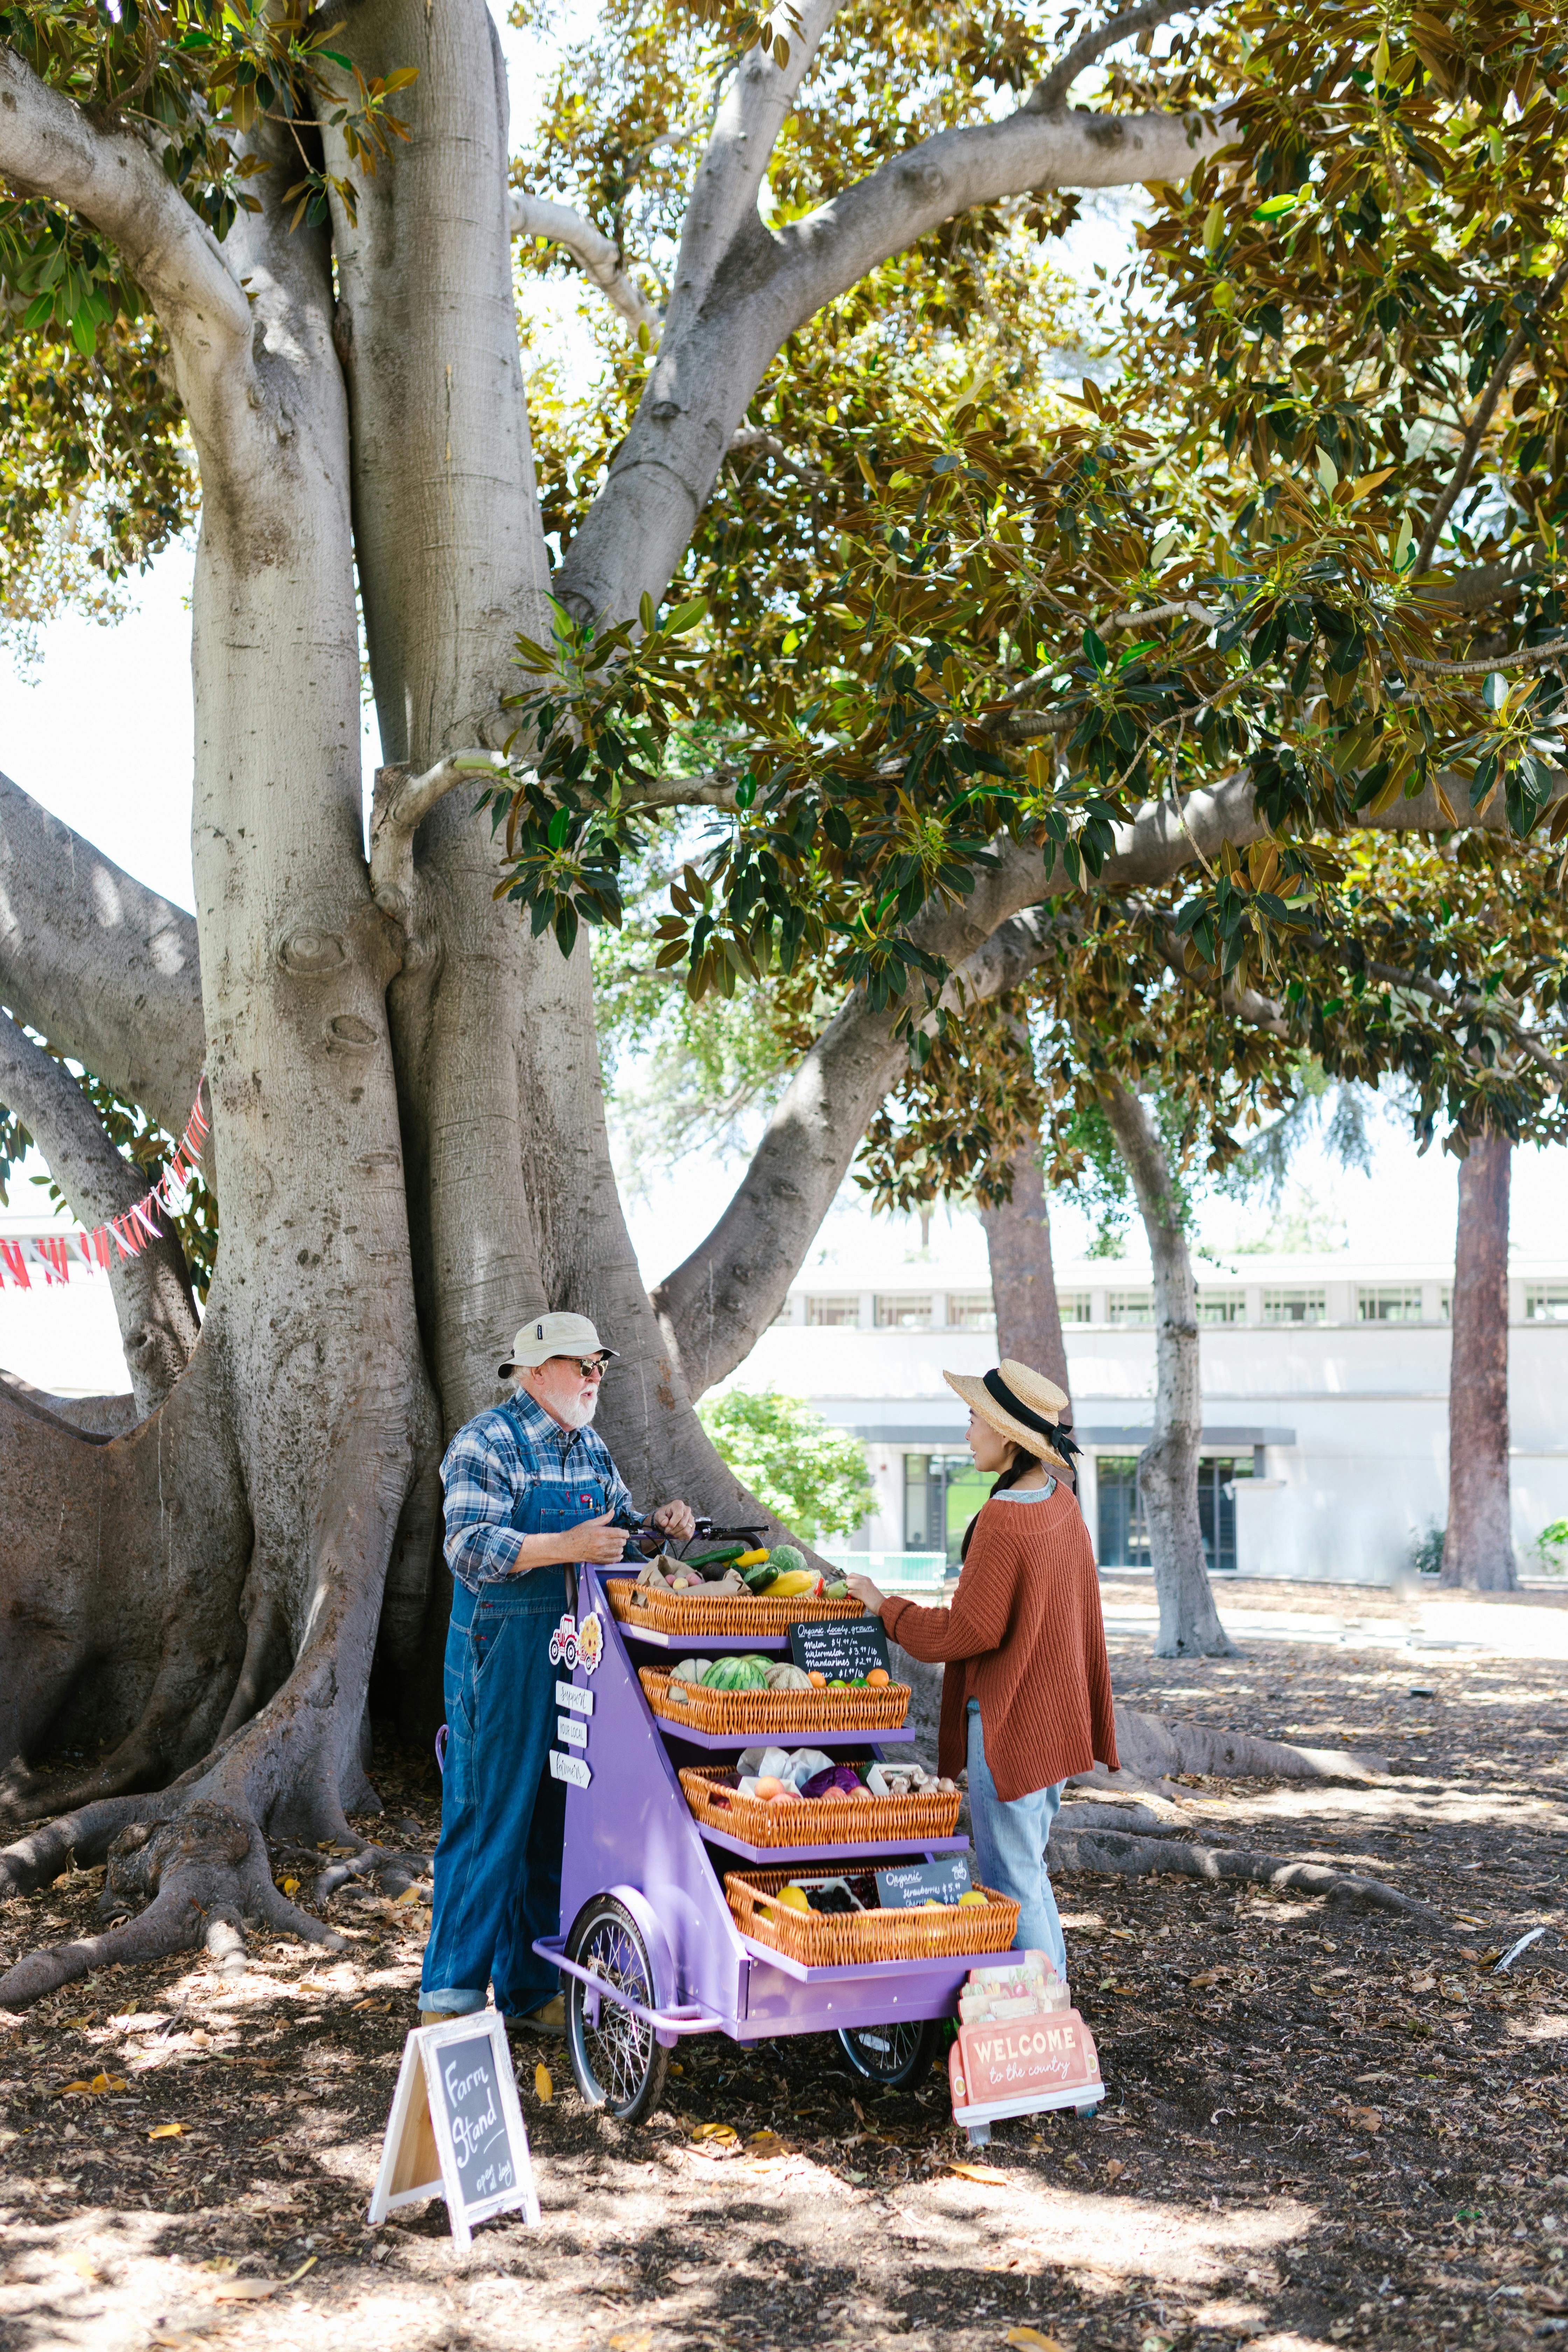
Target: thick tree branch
(713, 1306)
(721, 221)
(158, 1324)
(98, 964)
(596, 255)
(1483, 416)
(399, 806)
(49, 147)
(741, 289)
(1049, 96)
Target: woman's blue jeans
(497, 1863)
(1010, 1841)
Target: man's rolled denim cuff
(457, 2003)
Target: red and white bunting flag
(17, 1265)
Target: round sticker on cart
(590, 1641)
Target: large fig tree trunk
(1022, 1280)
(1478, 1550)
(408, 1143)
(1168, 1465)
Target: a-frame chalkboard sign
(455, 2130)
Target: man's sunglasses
(592, 1368)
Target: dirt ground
(1323, 2129)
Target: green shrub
(812, 1475)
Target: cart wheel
(616, 2059)
(893, 2056)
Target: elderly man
(530, 1490)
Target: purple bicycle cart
(651, 1951)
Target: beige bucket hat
(1017, 1403)
(553, 1335)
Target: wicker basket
(820, 1941)
(863, 1820)
(727, 1615)
(772, 1716)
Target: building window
(1124, 1526)
(1445, 1303)
(787, 1312)
(971, 1310)
(1073, 1306)
(1222, 1306)
(1400, 1304)
(1127, 1307)
(1293, 1306)
(903, 1313)
(832, 1314)
(1546, 1302)
(941, 1494)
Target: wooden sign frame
(417, 2158)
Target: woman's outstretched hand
(866, 1592)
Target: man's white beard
(577, 1415)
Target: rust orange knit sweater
(1023, 1636)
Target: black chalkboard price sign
(455, 2130)
(842, 1648)
(916, 1883)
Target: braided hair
(1021, 1464)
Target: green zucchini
(719, 1557)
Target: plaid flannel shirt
(489, 1462)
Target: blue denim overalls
(497, 1863)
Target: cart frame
(630, 1837)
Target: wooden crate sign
(1022, 2058)
(455, 2130)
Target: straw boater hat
(1018, 1403)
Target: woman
(1026, 1697)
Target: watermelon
(737, 1675)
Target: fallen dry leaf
(1032, 2336)
(83, 2265)
(1115, 2169)
(631, 2343)
(409, 1895)
(543, 2083)
(723, 2135)
(257, 2290)
(166, 2131)
(986, 2172)
(290, 1886)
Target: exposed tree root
(1155, 1747)
(204, 1870)
(1116, 1854)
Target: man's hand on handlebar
(599, 1540)
(676, 1519)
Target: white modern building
(1325, 1383)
